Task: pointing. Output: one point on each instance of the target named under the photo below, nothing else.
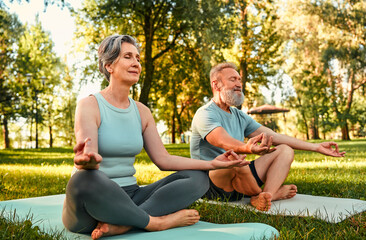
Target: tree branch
(170, 46)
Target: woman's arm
(160, 156)
(87, 121)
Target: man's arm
(325, 148)
(257, 144)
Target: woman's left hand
(229, 159)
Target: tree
(326, 60)
(159, 25)
(345, 22)
(182, 74)
(257, 53)
(37, 60)
(10, 30)
(183, 84)
(63, 109)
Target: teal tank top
(119, 140)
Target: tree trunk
(304, 118)
(50, 128)
(173, 127)
(314, 129)
(31, 128)
(243, 61)
(71, 123)
(149, 61)
(51, 136)
(350, 88)
(345, 132)
(6, 133)
(174, 112)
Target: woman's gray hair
(109, 51)
(218, 68)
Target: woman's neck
(117, 95)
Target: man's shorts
(215, 192)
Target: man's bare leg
(239, 179)
(185, 217)
(273, 169)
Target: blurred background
(305, 60)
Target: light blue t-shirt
(210, 116)
(119, 140)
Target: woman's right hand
(85, 159)
(229, 159)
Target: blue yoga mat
(46, 212)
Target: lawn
(38, 172)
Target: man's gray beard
(231, 98)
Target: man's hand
(326, 148)
(229, 159)
(265, 144)
(84, 159)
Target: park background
(307, 56)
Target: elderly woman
(102, 196)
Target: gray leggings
(91, 197)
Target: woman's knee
(86, 181)
(198, 180)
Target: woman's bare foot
(185, 217)
(262, 201)
(285, 192)
(105, 229)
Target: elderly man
(218, 127)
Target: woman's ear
(109, 68)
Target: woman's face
(127, 67)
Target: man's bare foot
(285, 192)
(185, 217)
(262, 201)
(105, 229)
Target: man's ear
(215, 85)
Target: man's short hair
(218, 68)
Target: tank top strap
(134, 105)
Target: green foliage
(326, 62)
(257, 52)
(178, 38)
(35, 84)
(10, 31)
(159, 26)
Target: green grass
(31, 173)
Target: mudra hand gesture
(85, 159)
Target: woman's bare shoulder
(145, 114)
(143, 108)
(88, 101)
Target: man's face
(231, 87)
